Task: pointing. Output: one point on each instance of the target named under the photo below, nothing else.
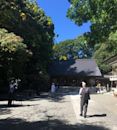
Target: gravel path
(60, 112)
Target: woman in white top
(53, 88)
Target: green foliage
(13, 54)
(101, 13)
(10, 42)
(105, 50)
(26, 19)
(71, 48)
(103, 35)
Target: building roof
(79, 67)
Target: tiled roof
(79, 67)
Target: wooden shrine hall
(72, 72)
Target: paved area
(60, 112)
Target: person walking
(53, 89)
(85, 96)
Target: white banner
(113, 78)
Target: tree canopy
(27, 20)
(13, 54)
(101, 13)
(76, 48)
(105, 50)
(103, 30)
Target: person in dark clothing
(85, 96)
(12, 87)
(11, 92)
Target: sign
(113, 78)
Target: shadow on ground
(19, 124)
(97, 115)
(56, 97)
(4, 111)
(5, 106)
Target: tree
(13, 55)
(26, 19)
(106, 50)
(101, 13)
(102, 16)
(76, 48)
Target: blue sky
(64, 27)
